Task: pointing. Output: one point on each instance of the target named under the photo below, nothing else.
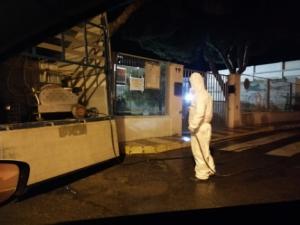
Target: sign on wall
(152, 75)
(136, 84)
(121, 75)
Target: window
(140, 86)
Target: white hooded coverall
(200, 116)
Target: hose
(227, 174)
(191, 157)
(208, 166)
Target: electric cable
(112, 135)
(191, 157)
(111, 131)
(156, 159)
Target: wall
(258, 118)
(233, 106)
(140, 127)
(174, 102)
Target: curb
(154, 145)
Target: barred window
(140, 86)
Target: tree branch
(216, 74)
(230, 61)
(122, 19)
(242, 68)
(245, 58)
(238, 58)
(212, 66)
(223, 57)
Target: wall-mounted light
(188, 97)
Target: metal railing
(217, 86)
(262, 94)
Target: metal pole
(291, 96)
(62, 42)
(110, 81)
(268, 93)
(85, 44)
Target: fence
(261, 94)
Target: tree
(233, 52)
(223, 34)
(124, 16)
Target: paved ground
(162, 144)
(256, 169)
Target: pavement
(163, 144)
(254, 186)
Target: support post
(233, 103)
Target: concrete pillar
(233, 104)
(174, 101)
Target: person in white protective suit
(200, 116)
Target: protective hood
(197, 83)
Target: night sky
(173, 30)
(176, 30)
